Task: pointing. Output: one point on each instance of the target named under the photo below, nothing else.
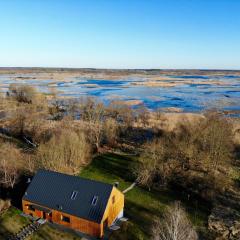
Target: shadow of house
(115, 164)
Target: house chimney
(116, 184)
(59, 207)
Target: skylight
(74, 195)
(94, 200)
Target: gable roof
(55, 190)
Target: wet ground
(190, 93)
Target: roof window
(74, 195)
(94, 200)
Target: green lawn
(12, 222)
(141, 205)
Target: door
(105, 223)
(38, 213)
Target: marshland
(174, 155)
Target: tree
(197, 157)
(93, 112)
(22, 93)
(159, 161)
(215, 142)
(25, 117)
(10, 164)
(152, 160)
(111, 131)
(143, 115)
(122, 113)
(66, 151)
(175, 225)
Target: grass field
(11, 222)
(141, 205)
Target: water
(191, 94)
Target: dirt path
(130, 187)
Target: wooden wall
(79, 224)
(114, 207)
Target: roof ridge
(74, 176)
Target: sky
(201, 34)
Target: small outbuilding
(82, 204)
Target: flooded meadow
(182, 93)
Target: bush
(111, 131)
(200, 153)
(11, 161)
(22, 93)
(66, 151)
(175, 225)
(4, 204)
(127, 232)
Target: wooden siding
(114, 207)
(76, 223)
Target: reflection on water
(193, 94)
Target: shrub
(128, 231)
(4, 204)
(66, 151)
(200, 153)
(111, 131)
(11, 162)
(175, 225)
(22, 93)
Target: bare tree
(195, 153)
(122, 113)
(175, 225)
(22, 93)
(157, 162)
(143, 115)
(151, 162)
(93, 112)
(66, 151)
(10, 163)
(111, 131)
(215, 141)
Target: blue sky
(120, 33)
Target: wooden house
(82, 204)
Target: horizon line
(124, 69)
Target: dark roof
(54, 190)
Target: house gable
(114, 207)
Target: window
(113, 199)
(74, 195)
(65, 219)
(31, 208)
(94, 200)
